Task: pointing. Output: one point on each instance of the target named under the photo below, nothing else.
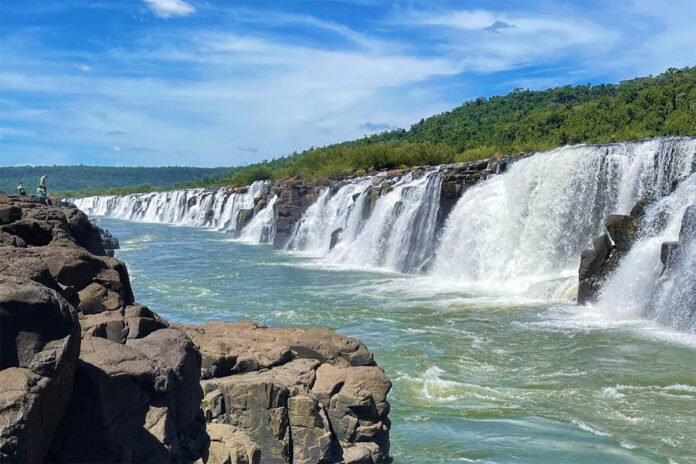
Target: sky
(223, 83)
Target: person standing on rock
(43, 195)
(20, 189)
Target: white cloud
(212, 97)
(465, 19)
(169, 8)
(532, 38)
(83, 67)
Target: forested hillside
(523, 120)
(97, 178)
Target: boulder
(229, 445)
(39, 347)
(335, 237)
(95, 298)
(638, 210)
(245, 346)
(622, 230)
(142, 321)
(130, 401)
(300, 395)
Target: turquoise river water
(476, 379)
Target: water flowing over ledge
(512, 226)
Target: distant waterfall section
(243, 212)
(376, 222)
(515, 231)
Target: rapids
(518, 233)
(473, 318)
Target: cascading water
(520, 232)
(261, 228)
(358, 227)
(218, 209)
(640, 287)
(525, 228)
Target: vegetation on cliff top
(99, 179)
(523, 120)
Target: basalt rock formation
(303, 396)
(295, 195)
(88, 375)
(598, 263)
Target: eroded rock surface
(598, 263)
(40, 344)
(304, 396)
(88, 375)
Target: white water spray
(394, 230)
(217, 209)
(528, 226)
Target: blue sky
(209, 83)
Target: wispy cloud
(373, 127)
(230, 84)
(169, 8)
(83, 67)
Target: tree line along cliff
(522, 121)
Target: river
(477, 377)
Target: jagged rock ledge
(88, 375)
(295, 194)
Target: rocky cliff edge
(89, 375)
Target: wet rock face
(598, 263)
(670, 251)
(109, 242)
(335, 237)
(295, 195)
(302, 396)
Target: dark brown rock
(622, 230)
(39, 346)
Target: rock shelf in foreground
(88, 375)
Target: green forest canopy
(98, 178)
(523, 120)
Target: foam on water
(514, 239)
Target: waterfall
(640, 287)
(518, 232)
(523, 229)
(261, 228)
(374, 223)
(218, 208)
